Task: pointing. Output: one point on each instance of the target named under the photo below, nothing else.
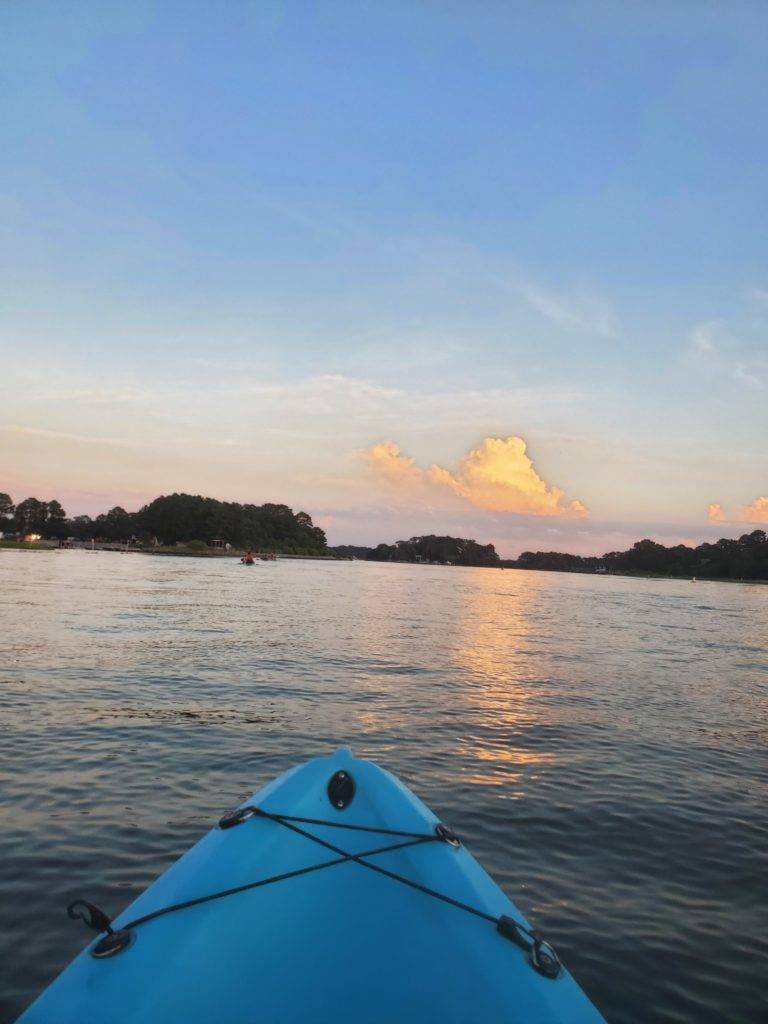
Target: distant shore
(640, 575)
(180, 551)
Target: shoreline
(643, 576)
(180, 552)
(159, 551)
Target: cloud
(94, 395)
(759, 295)
(388, 461)
(756, 512)
(324, 414)
(497, 476)
(580, 310)
(748, 375)
(716, 352)
(704, 337)
(58, 435)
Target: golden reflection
(498, 649)
(495, 641)
(495, 764)
(514, 756)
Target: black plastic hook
(447, 835)
(233, 818)
(94, 917)
(112, 941)
(542, 956)
(544, 959)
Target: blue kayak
(334, 895)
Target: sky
(497, 270)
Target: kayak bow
(333, 895)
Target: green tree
(7, 509)
(30, 516)
(179, 518)
(81, 527)
(745, 558)
(456, 550)
(55, 521)
(117, 524)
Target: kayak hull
(338, 944)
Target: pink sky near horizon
(493, 493)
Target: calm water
(601, 745)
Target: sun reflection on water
(495, 642)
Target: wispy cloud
(59, 435)
(750, 375)
(703, 339)
(714, 350)
(324, 409)
(759, 295)
(575, 306)
(497, 476)
(94, 395)
(579, 309)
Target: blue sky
(243, 243)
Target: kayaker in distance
(247, 558)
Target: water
(600, 743)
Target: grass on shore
(23, 545)
(180, 551)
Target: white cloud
(704, 338)
(497, 476)
(748, 375)
(715, 351)
(579, 309)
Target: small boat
(333, 895)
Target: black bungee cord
(542, 956)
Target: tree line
(745, 558)
(169, 520)
(443, 550)
(183, 518)
(742, 559)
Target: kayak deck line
(543, 957)
(373, 941)
(115, 941)
(243, 813)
